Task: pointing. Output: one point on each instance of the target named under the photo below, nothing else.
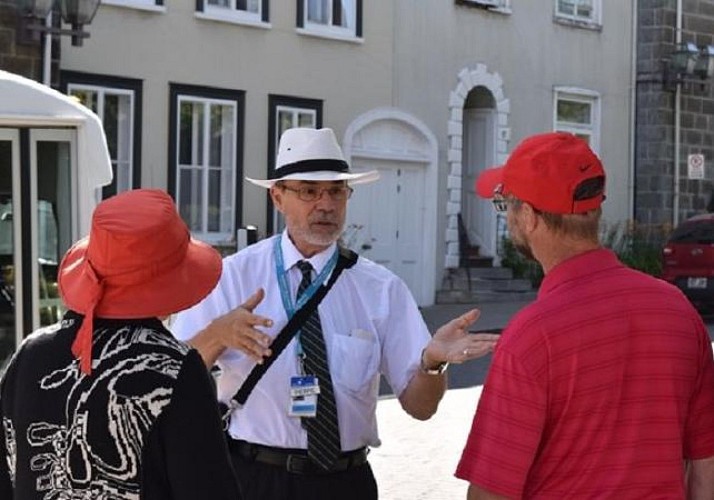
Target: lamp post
(76, 13)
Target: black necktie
(323, 435)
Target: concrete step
(487, 285)
(482, 297)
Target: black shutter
(199, 5)
(358, 14)
(300, 21)
(159, 2)
(265, 16)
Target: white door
(385, 220)
(478, 154)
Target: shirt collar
(582, 265)
(291, 255)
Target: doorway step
(488, 284)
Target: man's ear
(529, 216)
(276, 194)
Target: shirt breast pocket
(355, 359)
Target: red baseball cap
(551, 172)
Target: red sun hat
(549, 171)
(139, 261)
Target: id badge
(303, 396)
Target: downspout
(633, 117)
(677, 116)
(47, 54)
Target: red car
(688, 260)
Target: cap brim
(175, 290)
(321, 176)
(488, 181)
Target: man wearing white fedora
(302, 422)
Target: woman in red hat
(107, 404)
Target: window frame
(583, 96)
(275, 103)
(117, 85)
(330, 31)
(503, 6)
(593, 22)
(233, 15)
(150, 5)
(235, 98)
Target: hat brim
(175, 290)
(321, 176)
(488, 181)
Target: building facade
(193, 96)
(675, 112)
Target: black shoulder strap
(346, 259)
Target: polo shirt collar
(580, 266)
(291, 255)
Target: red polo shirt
(601, 387)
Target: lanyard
(282, 273)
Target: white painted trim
(431, 179)
(149, 6)
(468, 79)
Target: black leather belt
(295, 461)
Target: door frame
(13, 135)
(468, 198)
(48, 135)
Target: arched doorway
(478, 138)
(393, 221)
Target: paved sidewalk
(417, 459)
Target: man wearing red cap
(107, 404)
(604, 386)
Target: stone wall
(22, 55)
(655, 116)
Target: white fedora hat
(308, 154)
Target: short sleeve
(506, 430)
(699, 432)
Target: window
(254, 12)
(499, 5)
(205, 175)
(287, 112)
(117, 103)
(585, 11)
(155, 5)
(330, 18)
(578, 112)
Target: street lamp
(76, 13)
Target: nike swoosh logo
(583, 168)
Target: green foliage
(638, 246)
(521, 267)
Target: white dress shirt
(371, 325)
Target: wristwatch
(437, 370)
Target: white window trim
(596, 20)
(101, 94)
(213, 238)
(232, 15)
(295, 110)
(148, 5)
(583, 95)
(328, 30)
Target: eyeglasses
(314, 193)
(500, 202)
